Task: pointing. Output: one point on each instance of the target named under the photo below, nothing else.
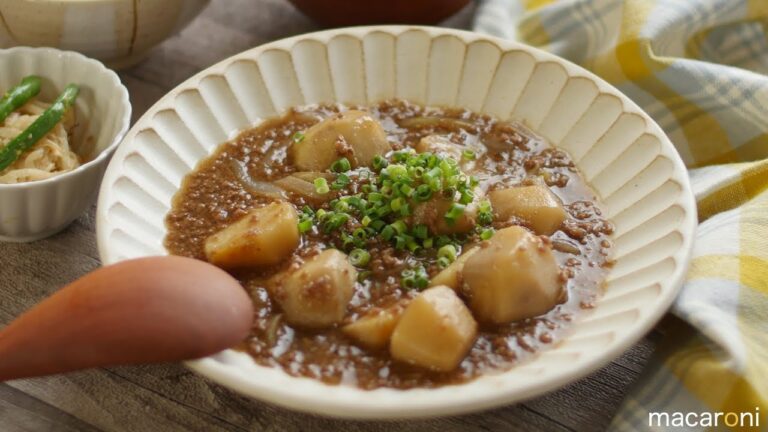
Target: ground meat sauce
(213, 197)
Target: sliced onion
(498, 138)
(310, 176)
(446, 122)
(565, 247)
(302, 184)
(273, 326)
(254, 186)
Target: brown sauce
(212, 198)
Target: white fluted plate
(623, 154)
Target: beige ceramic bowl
(621, 152)
(34, 210)
(117, 32)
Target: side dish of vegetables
(42, 125)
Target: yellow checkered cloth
(700, 69)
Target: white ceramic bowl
(117, 32)
(31, 211)
(622, 153)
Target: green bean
(19, 95)
(39, 128)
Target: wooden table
(170, 397)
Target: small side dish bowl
(620, 151)
(35, 210)
(117, 32)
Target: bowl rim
(116, 139)
(423, 406)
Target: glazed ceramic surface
(117, 32)
(31, 211)
(622, 153)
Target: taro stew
(396, 245)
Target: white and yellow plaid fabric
(700, 69)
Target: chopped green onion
(433, 178)
(341, 165)
(454, 213)
(347, 241)
(397, 172)
(485, 205)
(423, 193)
(485, 213)
(305, 225)
(399, 226)
(397, 203)
(413, 161)
(408, 280)
(341, 182)
(339, 206)
(433, 174)
(334, 222)
(386, 188)
(447, 168)
(414, 278)
(387, 232)
(432, 161)
(405, 210)
(358, 203)
(467, 196)
(406, 190)
(383, 211)
(420, 231)
(421, 279)
(363, 275)
(360, 234)
(321, 186)
(401, 156)
(379, 163)
(448, 251)
(298, 137)
(382, 201)
(377, 225)
(359, 257)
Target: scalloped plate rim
(356, 403)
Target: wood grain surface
(170, 397)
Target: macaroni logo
(705, 419)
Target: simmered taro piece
(396, 245)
